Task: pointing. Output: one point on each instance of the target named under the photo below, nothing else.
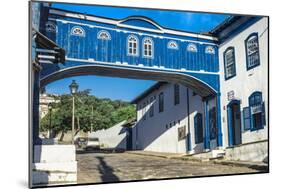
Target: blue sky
(103, 87)
(122, 88)
(187, 21)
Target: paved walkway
(111, 167)
(255, 165)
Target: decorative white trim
(140, 18)
(210, 50)
(172, 45)
(191, 47)
(104, 35)
(133, 67)
(77, 31)
(156, 67)
(117, 22)
(139, 28)
(152, 47)
(51, 27)
(137, 45)
(132, 32)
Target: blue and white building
(219, 76)
(165, 108)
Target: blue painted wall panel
(115, 50)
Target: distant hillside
(100, 113)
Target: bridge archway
(200, 87)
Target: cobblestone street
(109, 167)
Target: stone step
(218, 153)
(54, 166)
(47, 177)
(54, 153)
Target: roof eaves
(147, 91)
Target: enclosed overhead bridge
(134, 47)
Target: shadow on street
(106, 171)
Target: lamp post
(50, 108)
(73, 90)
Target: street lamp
(50, 108)
(73, 90)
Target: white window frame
(82, 34)
(145, 47)
(227, 64)
(210, 50)
(173, 45)
(51, 27)
(132, 47)
(252, 53)
(191, 47)
(102, 32)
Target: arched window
(78, 31)
(51, 27)
(191, 47)
(252, 51)
(229, 63)
(172, 45)
(209, 50)
(256, 111)
(103, 35)
(198, 128)
(132, 48)
(147, 47)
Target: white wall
(245, 82)
(152, 134)
(113, 137)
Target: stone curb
(257, 166)
(184, 158)
(145, 154)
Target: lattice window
(78, 31)
(173, 45)
(51, 27)
(147, 47)
(191, 47)
(229, 63)
(257, 111)
(252, 51)
(104, 35)
(132, 48)
(210, 50)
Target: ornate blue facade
(137, 47)
(91, 41)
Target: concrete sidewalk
(254, 165)
(157, 154)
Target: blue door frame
(230, 121)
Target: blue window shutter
(247, 118)
(263, 114)
(196, 129)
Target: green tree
(89, 111)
